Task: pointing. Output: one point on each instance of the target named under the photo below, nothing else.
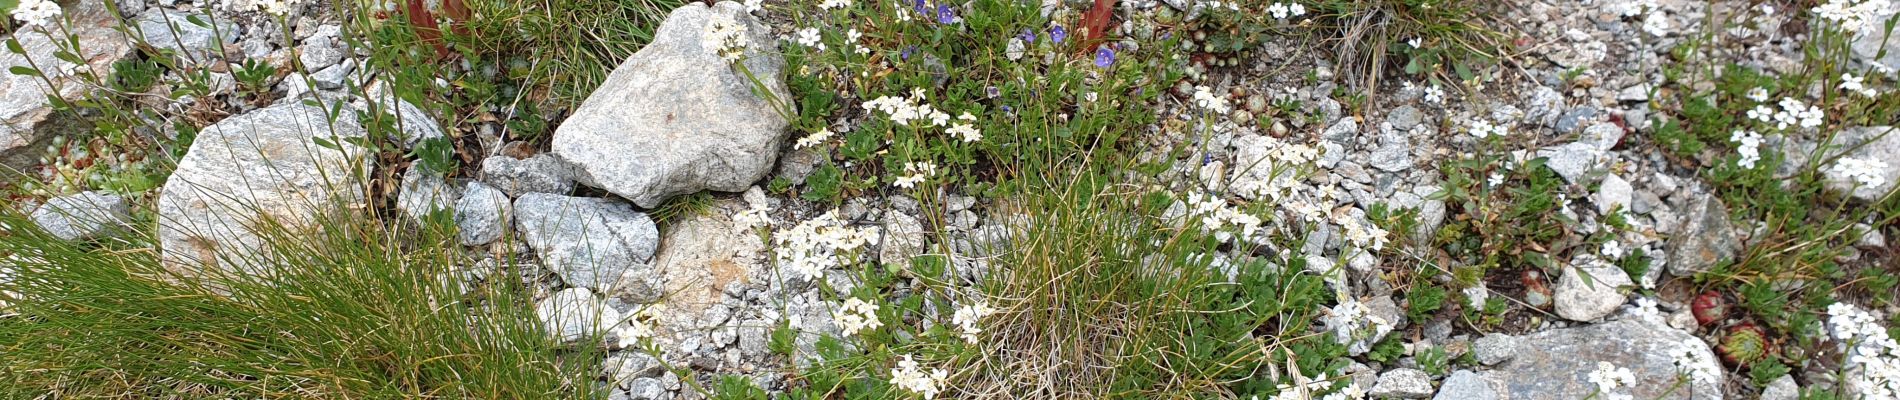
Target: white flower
(856, 316)
(910, 376)
(629, 334)
(1286, 10)
(814, 139)
(1416, 42)
(1613, 249)
(966, 318)
(1857, 16)
(1608, 377)
(36, 12)
(834, 4)
(1758, 94)
(1865, 171)
(1881, 68)
(1494, 179)
(809, 37)
(755, 216)
(857, 46)
(1872, 358)
(818, 244)
(1656, 24)
(726, 36)
(1748, 147)
(915, 173)
(1434, 94)
(1482, 128)
(1855, 84)
(965, 129)
(754, 6)
(1795, 112)
(1205, 98)
(274, 7)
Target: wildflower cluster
(1693, 363)
(1303, 388)
(1857, 16)
(1609, 377)
(1483, 128)
(904, 110)
(726, 36)
(1858, 85)
(36, 12)
(273, 7)
(1284, 10)
(1873, 358)
(1748, 145)
(1865, 171)
(814, 139)
(914, 173)
(1793, 112)
(966, 318)
(1216, 215)
(753, 217)
(821, 243)
(636, 328)
(1205, 98)
(1352, 322)
(856, 316)
(910, 376)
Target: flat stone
(174, 30)
(1403, 383)
(1494, 348)
(482, 215)
(1555, 364)
(574, 315)
(904, 238)
(1465, 385)
(84, 215)
(588, 241)
(699, 257)
(1783, 388)
(542, 173)
(263, 165)
(1603, 136)
(1341, 131)
(1543, 105)
(1394, 153)
(1571, 160)
(1704, 238)
(676, 118)
(27, 121)
(1404, 117)
(1575, 118)
(1614, 193)
(1589, 289)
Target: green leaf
(13, 45)
(23, 71)
(195, 20)
(326, 143)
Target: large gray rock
(1868, 46)
(264, 166)
(676, 118)
(1556, 364)
(1589, 289)
(1704, 239)
(175, 31)
(1465, 385)
(82, 216)
(482, 214)
(588, 241)
(572, 316)
(541, 173)
(27, 120)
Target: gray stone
(625, 366)
(1464, 385)
(1331, 153)
(1543, 106)
(676, 118)
(1867, 46)
(335, 76)
(483, 214)
(415, 124)
(1575, 118)
(1880, 143)
(903, 238)
(174, 31)
(1589, 289)
(83, 216)
(1394, 153)
(1704, 239)
(1603, 136)
(27, 121)
(424, 192)
(588, 241)
(1571, 160)
(1555, 364)
(647, 389)
(574, 315)
(542, 173)
(1782, 388)
(264, 165)
(1403, 383)
(1403, 118)
(1342, 131)
(1613, 193)
(322, 49)
(1494, 348)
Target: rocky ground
(700, 292)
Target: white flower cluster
(1286, 10)
(1275, 175)
(814, 139)
(1758, 94)
(914, 173)
(1302, 388)
(1631, 8)
(809, 37)
(1857, 16)
(967, 317)
(903, 110)
(910, 376)
(853, 36)
(1352, 321)
(1793, 112)
(1362, 233)
(965, 128)
(1748, 146)
(273, 7)
(1865, 171)
(1857, 84)
(754, 216)
(856, 316)
(640, 326)
(1205, 98)
(1609, 377)
(1690, 362)
(726, 36)
(36, 12)
(834, 4)
(821, 243)
(1873, 358)
(1483, 128)
(1216, 216)
(754, 6)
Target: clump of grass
(358, 309)
(557, 51)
